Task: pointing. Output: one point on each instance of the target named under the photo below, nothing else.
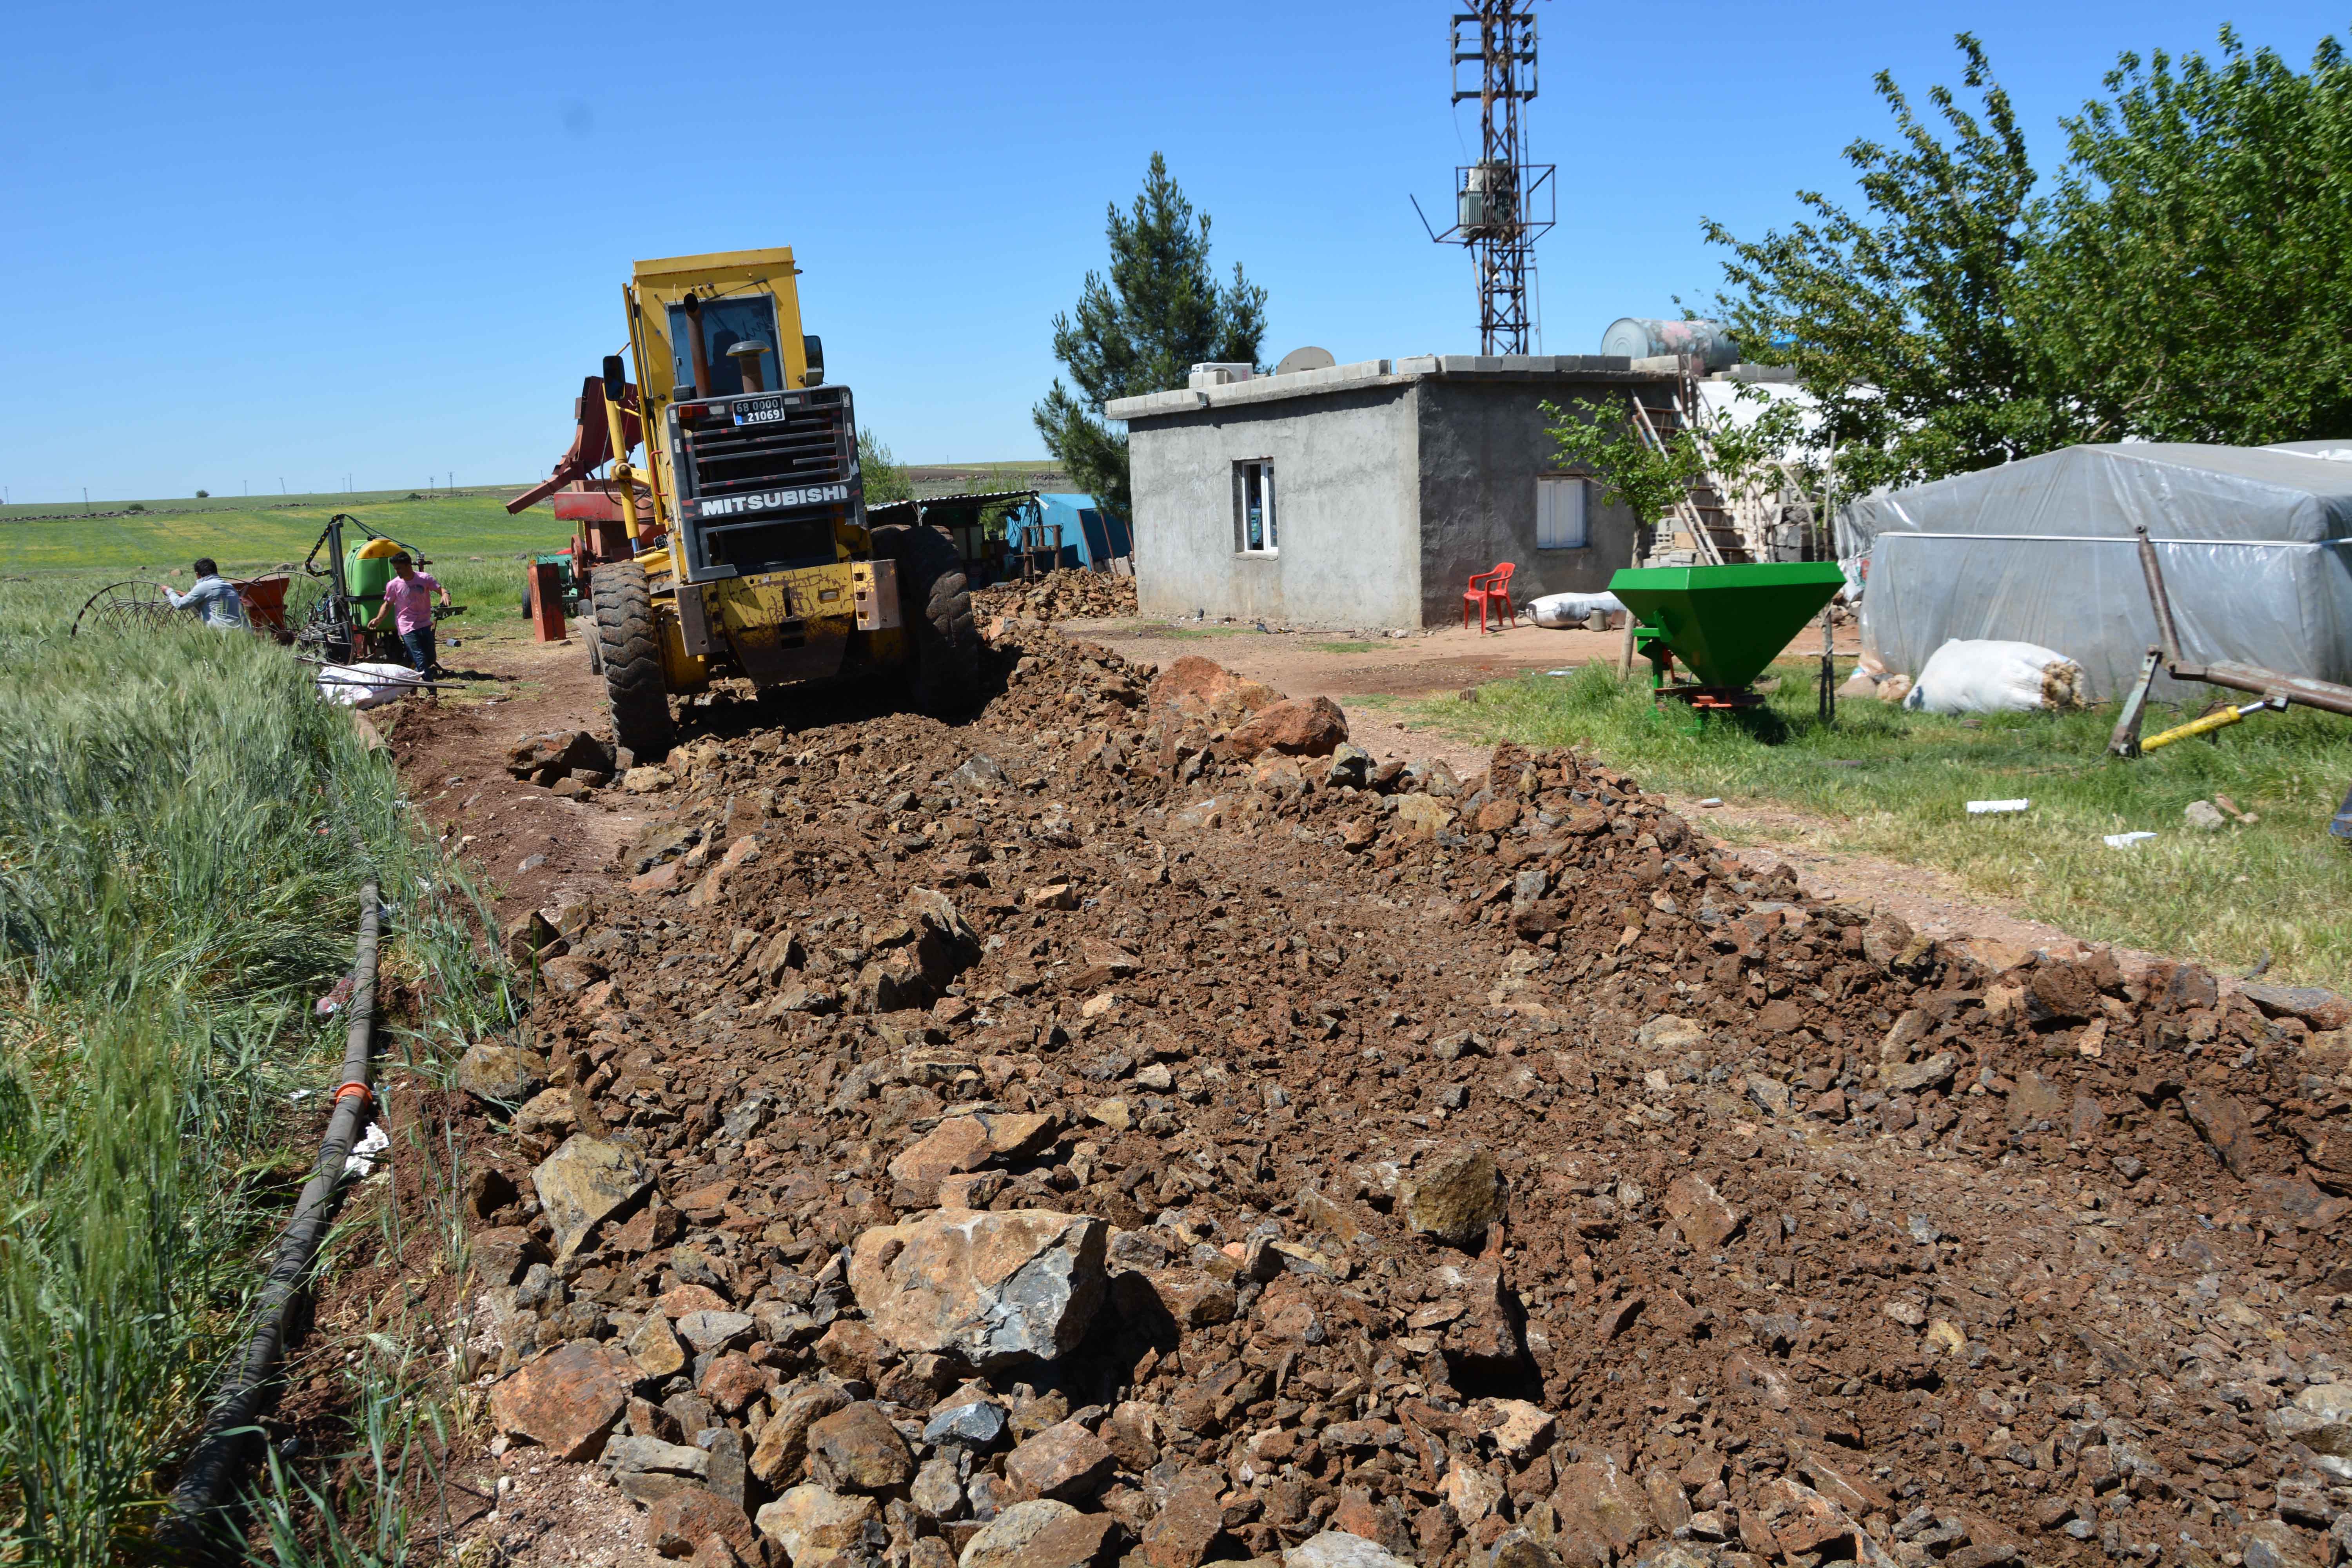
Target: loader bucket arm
(591, 441)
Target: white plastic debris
(366, 685)
(1566, 612)
(1986, 677)
(373, 1142)
(1712, 801)
(2125, 840)
(1996, 808)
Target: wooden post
(547, 601)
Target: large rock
(2320, 1420)
(855, 1449)
(566, 1401)
(1077, 1540)
(654, 1347)
(1203, 688)
(1670, 1032)
(1706, 1220)
(1484, 1338)
(678, 1523)
(1423, 816)
(1065, 1461)
(1001, 1543)
(1190, 1526)
(2321, 1009)
(782, 1448)
(710, 1333)
(586, 1181)
(1314, 728)
(812, 1525)
(994, 1288)
(493, 1070)
(1337, 1549)
(1455, 1199)
(957, 1144)
(1599, 1504)
(643, 1456)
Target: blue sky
(266, 241)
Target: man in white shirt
(213, 597)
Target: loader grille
(810, 446)
(766, 493)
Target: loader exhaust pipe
(746, 356)
(700, 350)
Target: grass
(184, 829)
(453, 531)
(1894, 784)
(1345, 646)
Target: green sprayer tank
(367, 567)
(1728, 623)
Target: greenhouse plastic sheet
(2256, 546)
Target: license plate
(769, 411)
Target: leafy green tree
(1160, 312)
(2187, 278)
(2194, 280)
(1904, 320)
(886, 481)
(1603, 437)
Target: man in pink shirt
(408, 599)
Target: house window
(1561, 519)
(1254, 528)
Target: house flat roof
(1535, 368)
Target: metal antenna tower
(1502, 202)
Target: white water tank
(1637, 337)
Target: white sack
(366, 685)
(1985, 677)
(1566, 612)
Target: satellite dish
(1304, 359)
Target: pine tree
(1161, 312)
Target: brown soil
(1821, 1237)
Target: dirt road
(1070, 1137)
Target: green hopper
(1725, 623)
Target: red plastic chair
(1490, 588)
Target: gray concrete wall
(1345, 467)
(1482, 447)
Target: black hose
(230, 1438)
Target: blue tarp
(1089, 535)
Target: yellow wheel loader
(753, 558)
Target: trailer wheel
(629, 651)
(936, 596)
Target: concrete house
(1365, 495)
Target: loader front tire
(936, 597)
(629, 651)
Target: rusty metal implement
(2276, 688)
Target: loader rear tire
(629, 648)
(936, 597)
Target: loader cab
(727, 325)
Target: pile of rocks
(1066, 592)
(1139, 1126)
(569, 763)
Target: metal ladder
(1701, 512)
